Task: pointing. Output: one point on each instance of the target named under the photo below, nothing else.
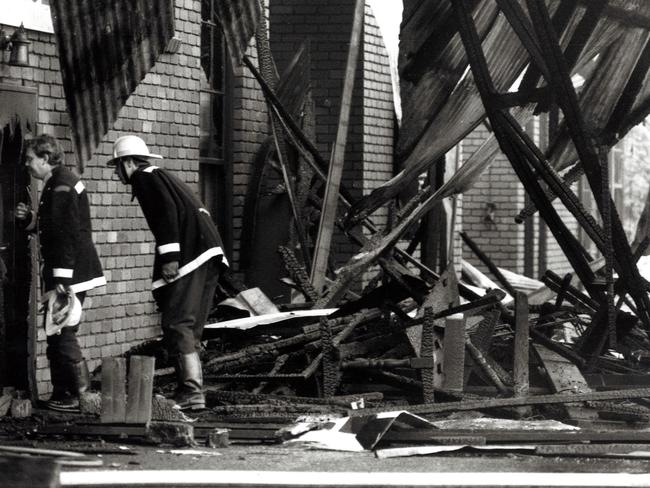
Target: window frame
(219, 169)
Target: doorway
(18, 259)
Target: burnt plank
(537, 436)
(330, 199)
(521, 361)
(454, 353)
(140, 389)
(515, 402)
(113, 390)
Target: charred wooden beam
(630, 14)
(313, 157)
(560, 81)
(571, 294)
(427, 351)
(331, 374)
(621, 413)
(264, 410)
(413, 363)
(522, 98)
(255, 353)
(561, 18)
(500, 121)
(564, 287)
(298, 273)
(544, 170)
(483, 334)
(277, 366)
(461, 113)
(532, 436)
(488, 263)
(568, 179)
(215, 394)
(515, 402)
(394, 379)
(480, 360)
(432, 60)
(560, 349)
(520, 23)
(579, 39)
(629, 95)
(369, 345)
(605, 449)
(609, 249)
(174, 433)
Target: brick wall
(501, 239)
(250, 128)
(327, 24)
(378, 112)
(555, 258)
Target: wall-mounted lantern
(17, 45)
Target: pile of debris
(461, 348)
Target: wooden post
(427, 351)
(140, 390)
(113, 390)
(454, 353)
(521, 345)
(32, 318)
(330, 200)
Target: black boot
(58, 381)
(75, 379)
(81, 376)
(63, 398)
(189, 393)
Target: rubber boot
(64, 398)
(58, 381)
(81, 376)
(189, 374)
(76, 380)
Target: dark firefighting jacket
(182, 227)
(65, 234)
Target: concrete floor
(268, 465)
(279, 465)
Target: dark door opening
(18, 262)
(15, 264)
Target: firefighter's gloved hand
(63, 304)
(170, 270)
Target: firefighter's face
(37, 166)
(124, 169)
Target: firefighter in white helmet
(71, 266)
(188, 259)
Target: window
(215, 123)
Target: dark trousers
(64, 347)
(185, 305)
